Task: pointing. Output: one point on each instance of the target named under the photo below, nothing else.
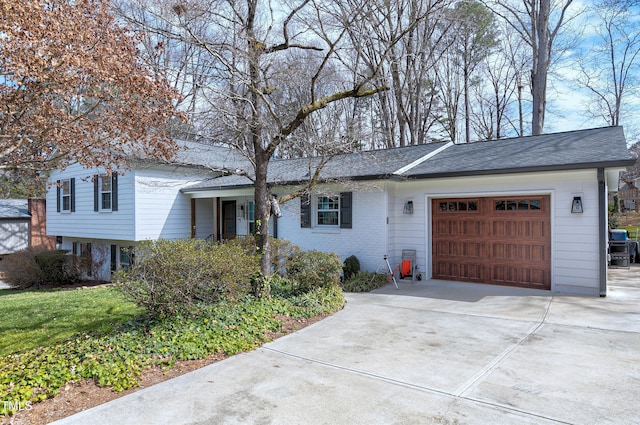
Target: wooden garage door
(501, 241)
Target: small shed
(23, 225)
(15, 223)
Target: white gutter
(422, 159)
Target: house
(23, 225)
(103, 216)
(500, 212)
(629, 195)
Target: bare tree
(497, 108)
(539, 23)
(474, 38)
(278, 72)
(610, 69)
(406, 112)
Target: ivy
(117, 360)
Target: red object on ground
(406, 268)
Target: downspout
(602, 232)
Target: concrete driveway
(430, 353)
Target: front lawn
(32, 319)
(114, 354)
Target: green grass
(32, 319)
(117, 358)
(632, 231)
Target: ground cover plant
(231, 321)
(117, 359)
(365, 282)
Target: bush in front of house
(170, 277)
(364, 282)
(21, 270)
(57, 267)
(351, 267)
(313, 269)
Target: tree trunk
(263, 212)
(541, 67)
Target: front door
(228, 219)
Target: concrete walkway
(430, 353)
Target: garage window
(518, 205)
(458, 206)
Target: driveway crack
(474, 380)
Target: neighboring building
(629, 195)
(23, 225)
(499, 212)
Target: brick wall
(39, 238)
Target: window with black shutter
(346, 218)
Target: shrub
(364, 282)
(282, 251)
(325, 300)
(21, 270)
(177, 276)
(57, 267)
(351, 267)
(314, 269)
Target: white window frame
(105, 179)
(65, 184)
(330, 199)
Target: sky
(567, 100)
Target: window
(518, 205)
(105, 192)
(122, 257)
(126, 257)
(251, 217)
(458, 206)
(65, 194)
(335, 210)
(328, 209)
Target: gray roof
(219, 157)
(14, 208)
(601, 147)
(581, 149)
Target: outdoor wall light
(576, 205)
(408, 207)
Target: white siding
(575, 250)
(85, 222)
(161, 210)
(204, 218)
(366, 240)
(150, 206)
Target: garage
(496, 240)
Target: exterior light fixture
(576, 205)
(408, 207)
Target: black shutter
(346, 219)
(96, 192)
(114, 258)
(305, 211)
(73, 195)
(58, 196)
(114, 192)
